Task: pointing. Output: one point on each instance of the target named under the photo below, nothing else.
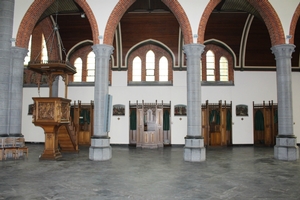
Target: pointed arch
(123, 5)
(182, 18)
(29, 20)
(34, 12)
(294, 23)
(265, 10)
(91, 17)
(114, 19)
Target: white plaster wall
(296, 104)
(102, 10)
(122, 94)
(248, 87)
(31, 132)
(194, 10)
(285, 10)
(21, 7)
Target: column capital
(283, 51)
(18, 52)
(102, 50)
(193, 49)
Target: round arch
(36, 10)
(265, 10)
(294, 23)
(123, 5)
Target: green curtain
(84, 116)
(228, 120)
(166, 120)
(259, 121)
(133, 120)
(214, 115)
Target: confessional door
(149, 125)
(216, 124)
(265, 124)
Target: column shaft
(16, 91)
(286, 143)
(194, 149)
(100, 143)
(6, 27)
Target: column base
(194, 150)
(16, 135)
(286, 148)
(100, 149)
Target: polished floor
(142, 174)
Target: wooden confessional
(216, 124)
(149, 124)
(265, 124)
(83, 118)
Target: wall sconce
(82, 15)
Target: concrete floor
(141, 174)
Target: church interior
(151, 84)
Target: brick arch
(123, 5)
(182, 18)
(91, 17)
(265, 10)
(29, 21)
(205, 16)
(36, 10)
(294, 23)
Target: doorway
(265, 124)
(150, 124)
(216, 123)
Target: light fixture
(82, 15)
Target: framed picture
(119, 110)
(241, 110)
(180, 110)
(30, 109)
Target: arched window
(137, 69)
(150, 66)
(163, 69)
(90, 67)
(27, 58)
(223, 69)
(210, 66)
(78, 76)
(44, 55)
(217, 65)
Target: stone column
(55, 86)
(194, 150)
(286, 142)
(100, 142)
(6, 28)
(16, 91)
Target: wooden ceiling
(151, 19)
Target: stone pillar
(16, 91)
(6, 28)
(100, 142)
(286, 142)
(194, 150)
(55, 86)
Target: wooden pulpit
(50, 113)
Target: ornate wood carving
(50, 114)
